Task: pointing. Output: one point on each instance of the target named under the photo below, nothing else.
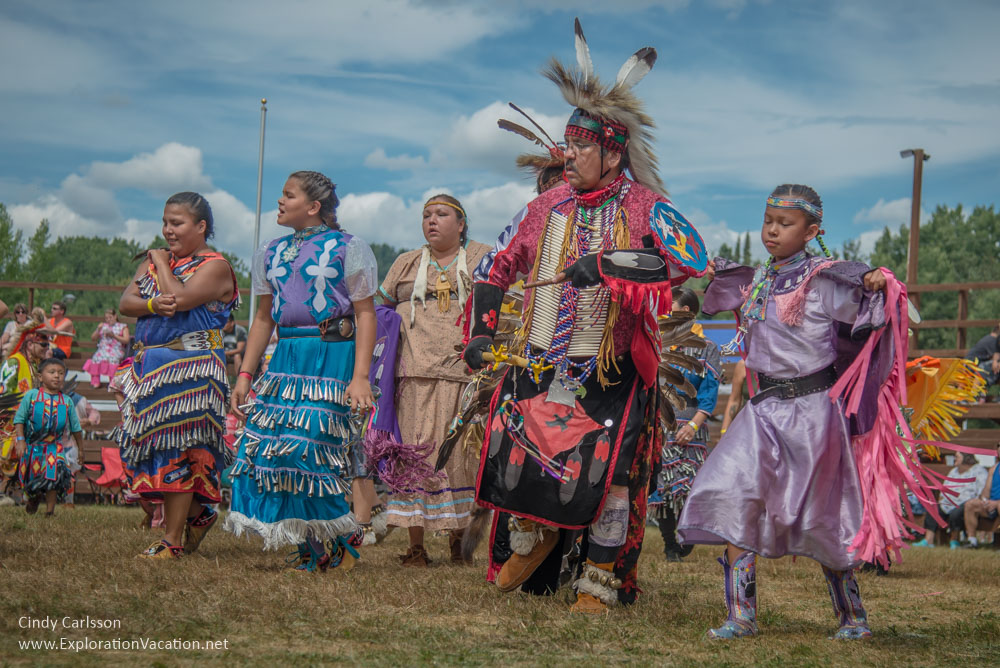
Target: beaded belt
(206, 339)
(790, 388)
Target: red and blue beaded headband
(802, 204)
(601, 131)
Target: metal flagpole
(260, 179)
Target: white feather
(583, 52)
(636, 67)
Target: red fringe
(630, 296)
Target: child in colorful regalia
(316, 285)
(784, 477)
(42, 418)
(175, 388)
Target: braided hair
(199, 208)
(319, 188)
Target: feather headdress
(616, 103)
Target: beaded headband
(603, 132)
(454, 206)
(808, 207)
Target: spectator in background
(20, 317)
(952, 508)
(112, 339)
(3, 308)
(62, 344)
(234, 340)
(986, 352)
(986, 504)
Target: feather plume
(473, 535)
(681, 360)
(521, 130)
(532, 121)
(684, 387)
(636, 67)
(582, 52)
(689, 341)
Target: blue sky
(110, 107)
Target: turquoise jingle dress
(45, 417)
(288, 479)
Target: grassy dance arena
(939, 608)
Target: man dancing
(573, 431)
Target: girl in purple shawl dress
(782, 480)
(316, 285)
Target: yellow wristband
(149, 305)
(722, 432)
(693, 425)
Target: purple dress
(782, 480)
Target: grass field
(940, 607)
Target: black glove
(583, 273)
(473, 353)
(486, 301)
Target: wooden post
(963, 314)
(911, 256)
(31, 299)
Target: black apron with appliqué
(593, 442)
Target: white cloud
(713, 233)
(378, 159)
(892, 213)
(63, 221)
(381, 217)
(88, 204)
(169, 169)
(868, 240)
(475, 142)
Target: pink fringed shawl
(886, 460)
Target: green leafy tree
(385, 255)
(954, 248)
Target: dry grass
(938, 608)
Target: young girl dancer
(44, 415)
(783, 480)
(317, 285)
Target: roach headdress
(611, 116)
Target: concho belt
(335, 330)
(790, 388)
